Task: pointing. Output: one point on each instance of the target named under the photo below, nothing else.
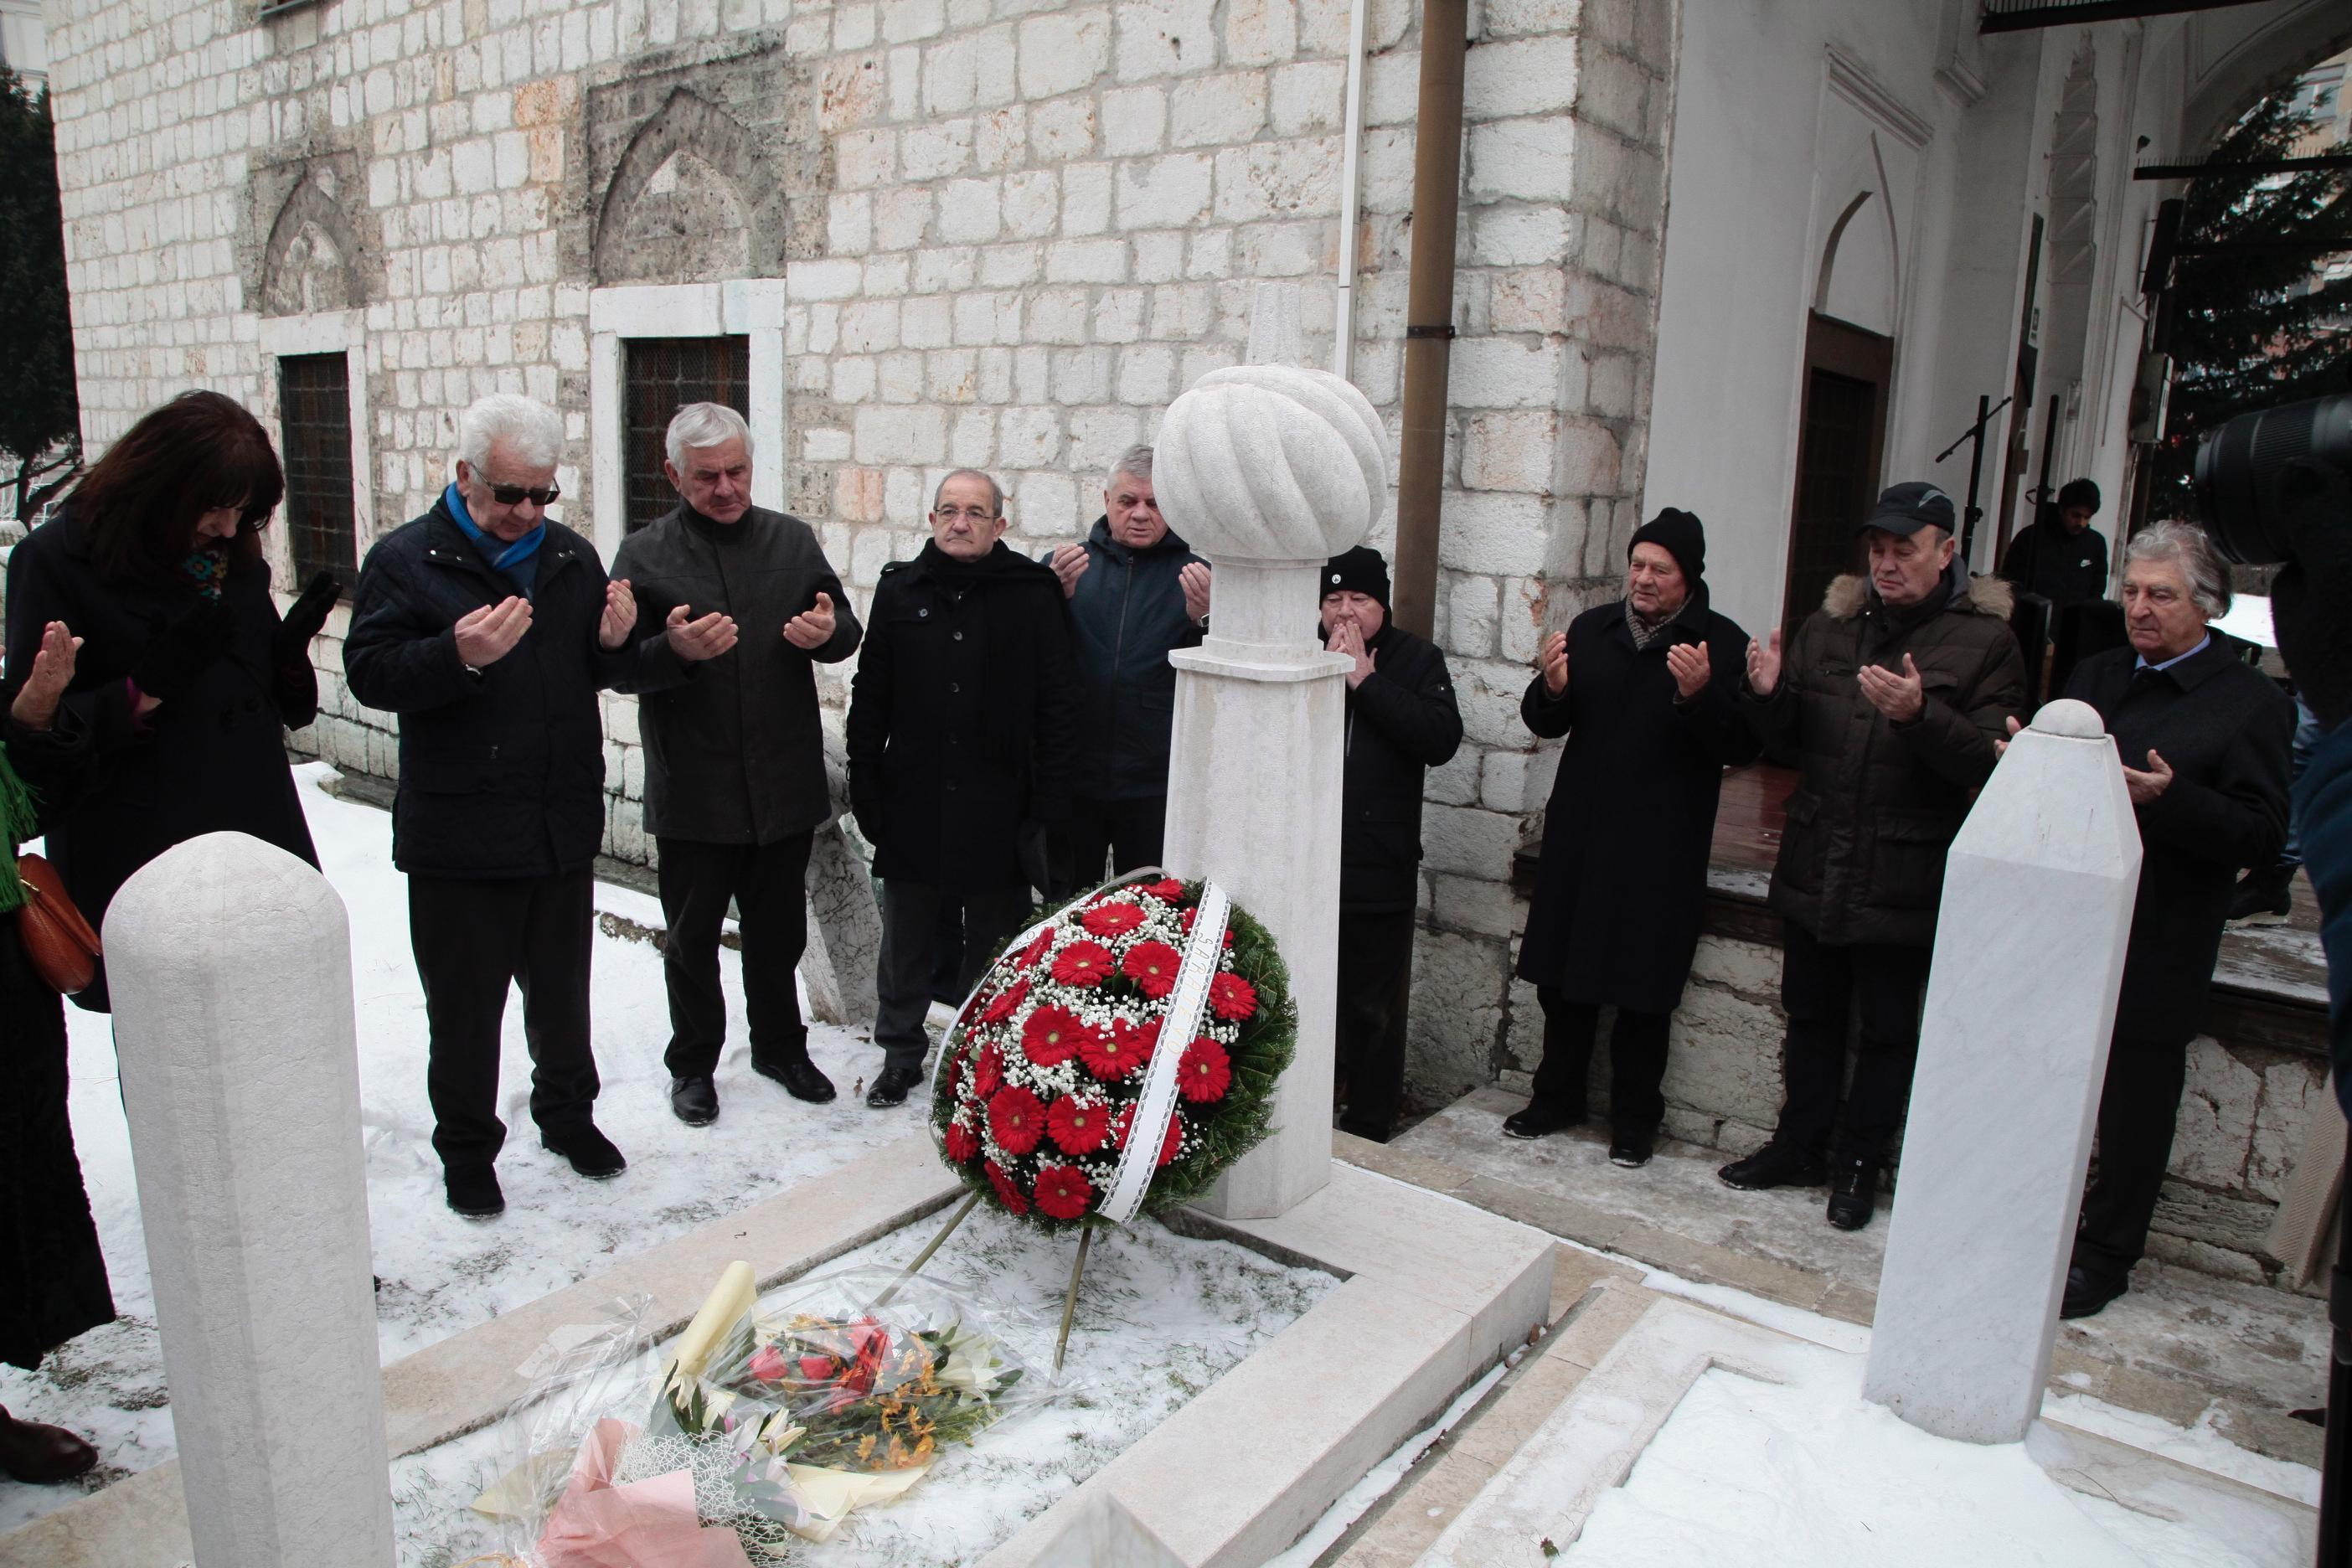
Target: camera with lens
(2238, 466)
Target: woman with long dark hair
(186, 678)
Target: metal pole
(925, 1256)
(1429, 312)
(1070, 1300)
(1976, 476)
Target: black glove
(190, 644)
(2311, 602)
(305, 618)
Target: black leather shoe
(591, 1152)
(801, 1078)
(1540, 1119)
(694, 1101)
(1853, 1192)
(892, 1087)
(1776, 1165)
(2087, 1292)
(473, 1190)
(1632, 1146)
(37, 1455)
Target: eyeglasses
(515, 495)
(974, 513)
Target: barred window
(314, 406)
(661, 375)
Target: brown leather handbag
(57, 942)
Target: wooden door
(1841, 434)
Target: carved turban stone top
(1268, 462)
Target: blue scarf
(514, 561)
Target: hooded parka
(1862, 858)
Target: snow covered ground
(443, 1274)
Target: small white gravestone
(845, 928)
(229, 965)
(1268, 471)
(2038, 896)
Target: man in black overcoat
(1644, 689)
(488, 628)
(963, 725)
(736, 607)
(2204, 740)
(1401, 722)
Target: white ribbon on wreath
(1156, 1106)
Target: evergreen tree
(2253, 329)
(40, 417)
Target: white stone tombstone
(2038, 895)
(229, 965)
(1268, 471)
(845, 927)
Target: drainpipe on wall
(1343, 339)
(1429, 310)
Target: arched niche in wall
(690, 201)
(311, 261)
(1860, 279)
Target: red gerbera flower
(1036, 950)
(1230, 997)
(987, 1073)
(1079, 1126)
(1111, 920)
(1201, 1076)
(1168, 1143)
(1063, 1192)
(1127, 1049)
(1052, 1034)
(1152, 966)
(953, 1075)
(1082, 963)
(962, 1143)
(1006, 1000)
(1006, 1193)
(1018, 1117)
(1192, 915)
(1168, 890)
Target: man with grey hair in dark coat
(736, 606)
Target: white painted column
(2038, 895)
(1268, 471)
(229, 965)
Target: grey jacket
(734, 749)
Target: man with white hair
(736, 606)
(488, 628)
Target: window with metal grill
(314, 407)
(662, 376)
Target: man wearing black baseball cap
(1891, 696)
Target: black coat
(2225, 730)
(52, 1274)
(734, 748)
(501, 773)
(2063, 568)
(962, 719)
(211, 760)
(1622, 881)
(1861, 858)
(1126, 613)
(1401, 722)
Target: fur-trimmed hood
(1993, 596)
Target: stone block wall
(1009, 232)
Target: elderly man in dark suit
(2204, 740)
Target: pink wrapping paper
(645, 1524)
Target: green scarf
(19, 821)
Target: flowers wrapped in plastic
(771, 1420)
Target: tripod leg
(1070, 1301)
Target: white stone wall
(1019, 230)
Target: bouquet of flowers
(1149, 1013)
(771, 1420)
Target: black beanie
(1360, 571)
(1680, 535)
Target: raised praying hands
(620, 616)
(2145, 787)
(1348, 639)
(488, 635)
(36, 707)
(1691, 668)
(1551, 658)
(812, 627)
(1764, 663)
(1902, 698)
(706, 637)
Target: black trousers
(902, 976)
(472, 939)
(1368, 1039)
(768, 883)
(1820, 986)
(1128, 832)
(2138, 1106)
(1637, 1059)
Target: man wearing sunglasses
(488, 628)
